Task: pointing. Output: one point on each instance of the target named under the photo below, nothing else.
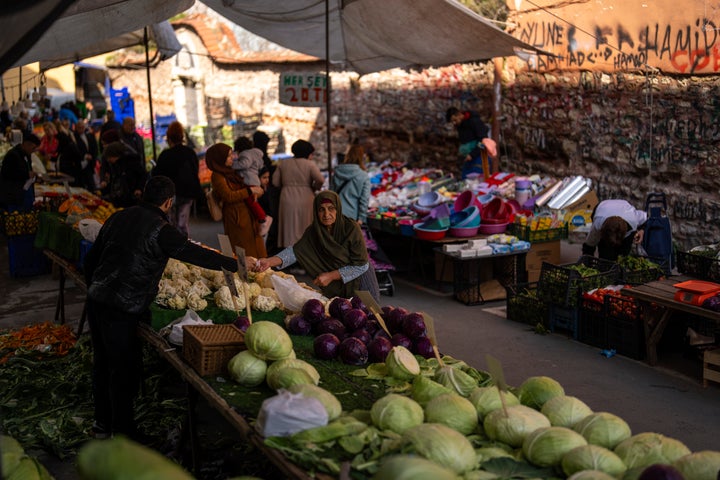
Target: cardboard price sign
(373, 306)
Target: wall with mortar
(553, 123)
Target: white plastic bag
(176, 327)
(89, 229)
(292, 295)
(287, 413)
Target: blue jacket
(352, 184)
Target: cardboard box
(539, 253)
(579, 214)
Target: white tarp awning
(83, 25)
(374, 35)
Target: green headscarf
(320, 250)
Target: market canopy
(33, 32)
(374, 35)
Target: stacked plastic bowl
(433, 229)
(465, 223)
(426, 202)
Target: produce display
(17, 465)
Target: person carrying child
(247, 164)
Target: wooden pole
(147, 69)
(497, 110)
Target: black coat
(125, 264)
(126, 176)
(180, 164)
(16, 168)
(471, 128)
(88, 152)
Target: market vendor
(122, 271)
(474, 137)
(17, 178)
(616, 225)
(331, 250)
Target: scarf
(321, 250)
(215, 158)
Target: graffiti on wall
(691, 49)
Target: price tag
(225, 246)
(242, 266)
(496, 373)
(430, 327)
(67, 188)
(373, 306)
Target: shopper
(352, 184)
(474, 137)
(122, 271)
(616, 225)
(17, 179)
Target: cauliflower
(264, 304)
(195, 273)
(269, 292)
(216, 280)
(181, 285)
(176, 302)
(176, 269)
(200, 289)
(263, 278)
(224, 300)
(166, 287)
(254, 289)
(196, 302)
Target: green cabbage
(535, 391)
(704, 465)
(247, 369)
(592, 457)
(443, 445)
(645, 449)
(268, 340)
(423, 389)
(396, 412)
(453, 411)
(329, 401)
(565, 411)
(455, 379)
(591, 475)
(488, 453)
(546, 446)
(11, 452)
(409, 467)
(401, 363)
(604, 429)
(273, 372)
(289, 376)
(512, 428)
(487, 399)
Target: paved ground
(668, 398)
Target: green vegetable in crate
(565, 411)
(604, 429)
(487, 399)
(453, 411)
(268, 341)
(443, 445)
(535, 391)
(276, 379)
(409, 467)
(12, 452)
(592, 457)
(704, 465)
(329, 401)
(119, 458)
(645, 449)
(396, 412)
(340, 427)
(247, 369)
(546, 446)
(423, 389)
(513, 424)
(401, 363)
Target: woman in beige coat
(298, 178)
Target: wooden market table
(659, 305)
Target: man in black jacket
(122, 271)
(474, 137)
(88, 146)
(16, 190)
(123, 182)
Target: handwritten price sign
(300, 89)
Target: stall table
(661, 294)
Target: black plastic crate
(524, 305)
(561, 285)
(564, 319)
(25, 260)
(469, 274)
(592, 323)
(626, 336)
(703, 267)
(654, 270)
(622, 307)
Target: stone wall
(580, 123)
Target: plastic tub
(466, 199)
(463, 231)
(429, 200)
(470, 217)
(426, 234)
(440, 223)
(497, 209)
(491, 228)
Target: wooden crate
(208, 348)
(711, 366)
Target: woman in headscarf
(332, 251)
(297, 178)
(229, 188)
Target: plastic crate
(85, 246)
(655, 270)
(25, 260)
(592, 324)
(561, 285)
(523, 304)
(699, 266)
(525, 232)
(209, 348)
(469, 274)
(564, 319)
(19, 223)
(626, 336)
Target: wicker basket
(208, 348)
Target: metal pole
(328, 89)
(147, 69)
